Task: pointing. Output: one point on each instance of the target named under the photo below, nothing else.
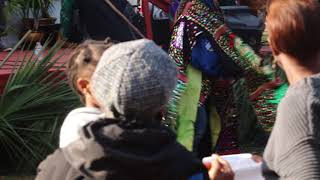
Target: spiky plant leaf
(34, 101)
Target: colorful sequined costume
(267, 100)
(196, 89)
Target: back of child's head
(84, 60)
(134, 80)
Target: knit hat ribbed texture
(133, 78)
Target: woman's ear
(275, 52)
(276, 57)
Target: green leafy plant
(34, 101)
(46, 6)
(34, 9)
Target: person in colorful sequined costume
(267, 97)
(211, 61)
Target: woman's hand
(220, 170)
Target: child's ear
(83, 86)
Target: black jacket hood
(109, 149)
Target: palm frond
(33, 103)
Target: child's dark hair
(84, 60)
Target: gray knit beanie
(134, 78)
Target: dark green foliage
(32, 106)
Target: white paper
(242, 165)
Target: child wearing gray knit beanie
(134, 79)
(132, 82)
